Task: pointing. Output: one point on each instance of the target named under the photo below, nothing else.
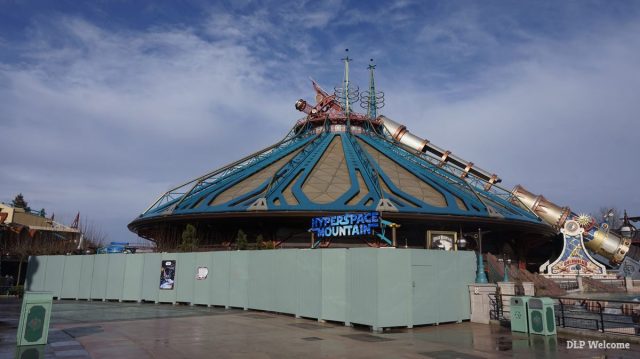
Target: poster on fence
(167, 274)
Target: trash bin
(542, 317)
(519, 322)
(33, 328)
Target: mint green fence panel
(238, 279)
(99, 281)
(394, 288)
(363, 298)
(424, 292)
(285, 291)
(71, 280)
(185, 277)
(460, 270)
(202, 285)
(54, 275)
(36, 272)
(168, 295)
(377, 287)
(115, 275)
(132, 285)
(220, 277)
(151, 276)
(309, 283)
(261, 279)
(334, 284)
(439, 277)
(86, 277)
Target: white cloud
(105, 120)
(563, 122)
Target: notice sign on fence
(167, 274)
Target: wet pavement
(82, 329)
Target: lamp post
(627, 230)
(313, 237)
(481, 276)
(461, 243)
(506, 262)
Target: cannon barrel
(600, 241)
(400, 133)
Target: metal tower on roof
(347, 94)
(371, 100)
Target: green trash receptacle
(33, 328)
(542, 316)
(519, 316)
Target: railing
(613, 282)
(606, 316)
(568, 284)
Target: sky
(105, 105)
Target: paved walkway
(130, 330)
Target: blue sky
(104, 105)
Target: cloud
(562, 121)
(105, 121)
(102, 118)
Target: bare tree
(610, 215)
(92, 234)
(27, 243)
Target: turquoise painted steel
(293, 174)
(384, 287)
(481, 276)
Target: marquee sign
(348, 224)
(574, 259)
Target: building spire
(372, 108)
(345, 85)
(371, 100)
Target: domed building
(335, 163)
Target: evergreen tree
(241, 240)
(19, 202)
(189, 241)
(259, 241)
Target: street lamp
(627, 230)
(506, 262)
(481, 276)
(461, 243)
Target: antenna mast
(371, 100)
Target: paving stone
(367, 338)
(71, 353)
(449, 354)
